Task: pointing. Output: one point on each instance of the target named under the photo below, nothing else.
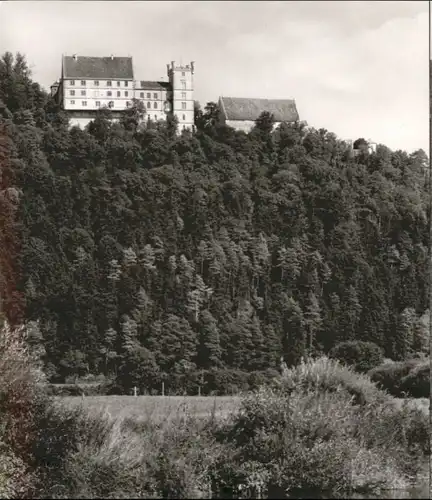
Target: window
(96, 82)
(183, 73)
(111, 104)
(72, 92)
(109, 83)
(118, 93)
(83, 92)
(184, 118)
(118, 84)
(183, 95)
(72, 102)
(149, 104)
(83, 83)
(183, 105)
(72, 82)
(148, 95)
(155, 105)
(126, 93)
(155, 117)
(126, 84)
(109, 93)
(183, 84)
(97, 104)
(127, 104)
(84, 103)
(142, 95)
(155, 96)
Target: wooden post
(135, 391)
(163, 388)
(199, 391)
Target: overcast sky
(355, 68)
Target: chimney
(75, 57)
(192, 66)
(112, 57)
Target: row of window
(111, 105)
(155, 95)
(96, 83)
(109, 83)
(109, 93)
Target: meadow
(158, 408)
(154, 408)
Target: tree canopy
(160, 256)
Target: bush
(301, 442)
(308, 434)
(403, 378)
(361, 356)
(22, 401)
(95, 456)
(324, 374)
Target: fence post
(135, 391)
(199, 391)
(163, 388)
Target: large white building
(90, 83)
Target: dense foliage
(154, 257)
(362, 356)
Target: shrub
(308, 434)
(362, 356)
(22, 400)
(409, 377)
(417, 382)
(283, 443)
(324, 374)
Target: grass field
(158, 408)
(155, 408)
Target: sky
(358, 69)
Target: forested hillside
(202, 257)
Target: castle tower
(181, 81)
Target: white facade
(182, 84)
(244, 125)
(91, 95)
(154, 98)
(82, 97)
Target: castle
(90, 83)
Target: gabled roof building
(241, 112)
(90, 83)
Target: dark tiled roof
(98, 67)
(147, 85)
(243, 108)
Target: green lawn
(155, 407)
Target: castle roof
(119, 68)
(244, 108)
(149, 85)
